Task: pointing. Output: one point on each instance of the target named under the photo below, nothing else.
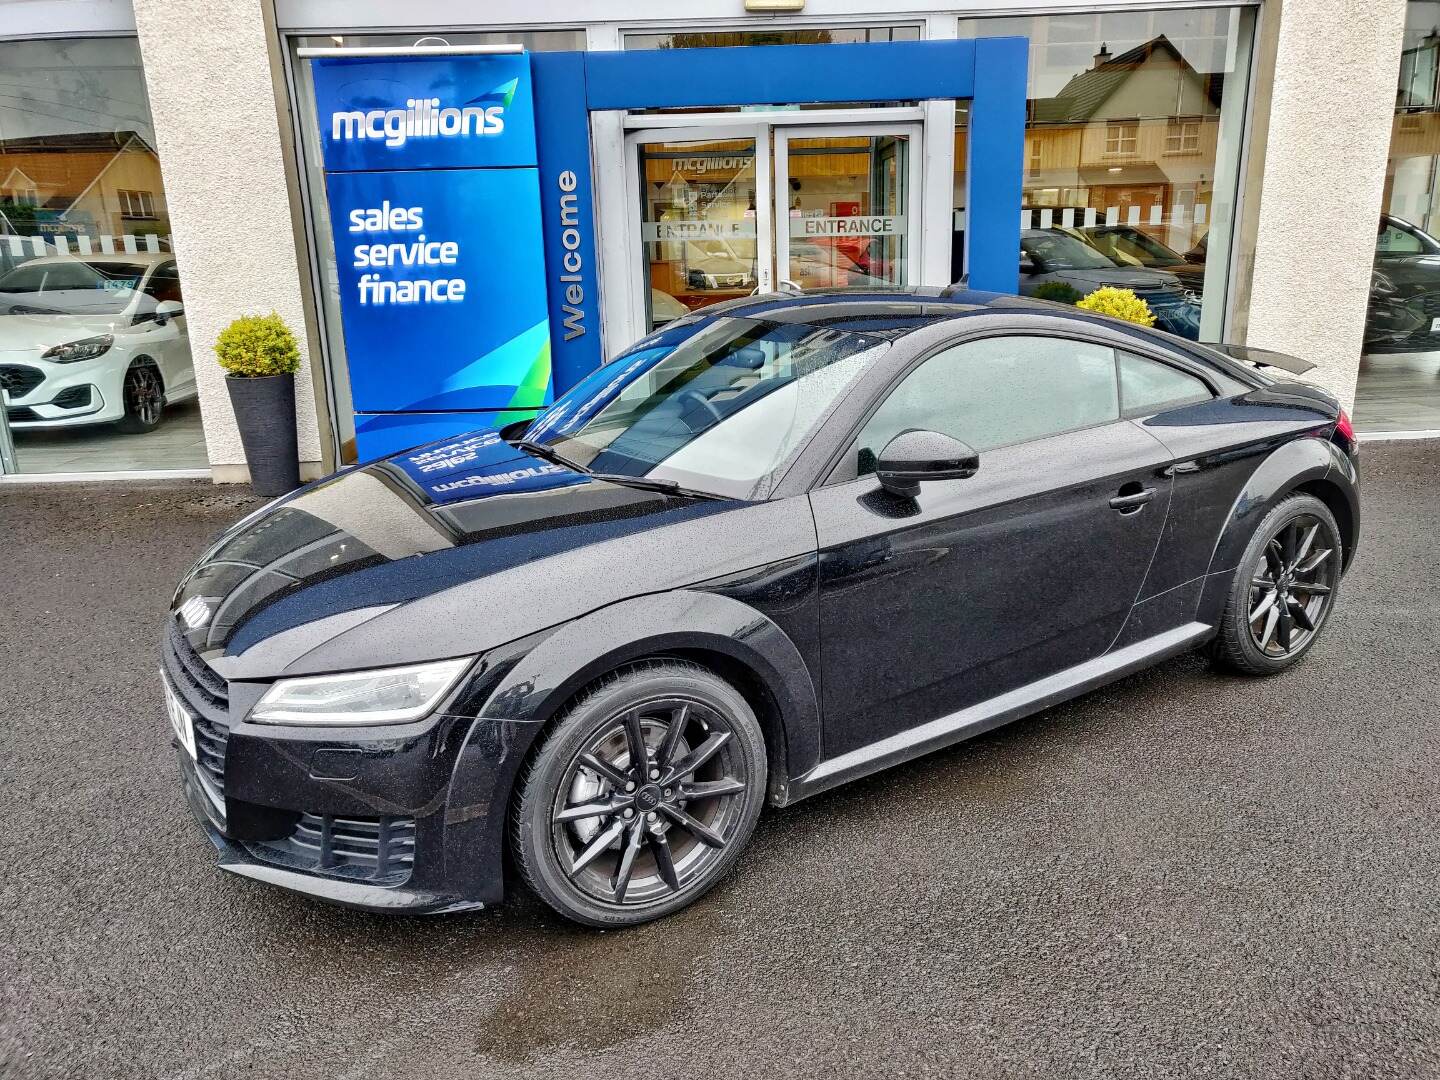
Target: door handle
(1129, 503)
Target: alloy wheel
(1291, 586)
(650, 802)
(144, 396)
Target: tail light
(1345, 433)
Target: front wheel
(143, 394)
(641, 796)
(1284, 589)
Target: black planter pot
(265, 411)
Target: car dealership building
(463, 208)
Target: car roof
(896, 312)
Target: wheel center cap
(648, 798)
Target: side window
(1393, 241)
(998, 391)
(164, 283)
(1147, 386)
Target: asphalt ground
(1184, 874)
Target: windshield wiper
(645, 483)
(654, 483)
(541, 450)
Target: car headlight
(84, 349)
(380, 696)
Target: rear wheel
(143, 394)
(1284, 589)
(641, 796)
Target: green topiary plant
(1119, 304)
(1058, 291)
(254, 346)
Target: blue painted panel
(780, 74)
(454, 316)
(567, 204)
(422, 112)
(995, 171)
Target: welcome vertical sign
(431, 172)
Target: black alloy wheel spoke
(1288, 543)
(668, 749)
(1305, 545)
(701, 754)
(1301, 616)
(1313, 563)
(1271, 598)
(1274, 559)
(709, 789)
(1282, 631)
(664, 861)
(599, 844)
(697, 829)
(594, 809)
(1310, 587)
(605, 769)
(639, 753)
(627, 862)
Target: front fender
(538, 684)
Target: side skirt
(988, 715)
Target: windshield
(1050, 250)
(719, 405)
(1131, 247)
(71, 287)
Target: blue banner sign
(434, 192)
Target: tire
(143, 393)
(1284, 589)
(570, 836)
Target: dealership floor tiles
(1398, 392)
(178, 443)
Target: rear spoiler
(1264, 358)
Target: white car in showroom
(93, 339)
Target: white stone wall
(1323, 181)
(212, 96)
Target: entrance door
(736, 206)
(850, 208)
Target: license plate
(1434, 324)
(180, 721)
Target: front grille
(375, 851)
(72, 397)
(195, 679)
(20, 414)
(211, 739)
(20, 379)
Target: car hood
(449, 550)
(25, 333)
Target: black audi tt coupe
(777, 545)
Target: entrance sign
(432, 175)
(863, 225)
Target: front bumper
(47, 395)
(396, 818)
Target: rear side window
(1147, 386)
(998, 391)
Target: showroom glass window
(1132, 141)
(82, 205)
(1399, 383)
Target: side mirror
(167, 310)
(1027, 265)
(915, 456)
